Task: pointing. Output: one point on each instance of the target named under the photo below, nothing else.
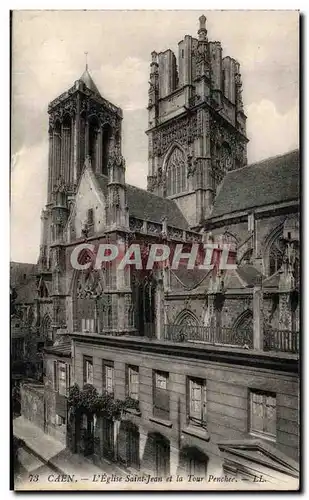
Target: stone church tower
(197, 125)
(83, 127)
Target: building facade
(207, 358)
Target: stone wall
(32, 403)
(228, 389)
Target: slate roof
(272, 281)
(19, 271)
(27, 292)
(269, 181)
(191, 278)
(249, 274)
(63, 349)
(23, 280)
(88, 81)
(148, 206)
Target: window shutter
(103, 376)
(70, 375)
(127, 375)
(55, 376)
(187, 399)
(67, 383)
(204, 402)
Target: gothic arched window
(57, 153)
(107, 134)
(94, 141)
(226, 157)
(176, 172)
(143, 295)
(47, 331)
(276, 254)
(93, 311)
(243, 329)
(186, 327)
(66, 149)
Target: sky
(48, 55)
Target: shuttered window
(196, 392)
(108, 376)
(88, 370)
(133, 382)
(263, 415)
(161, 399)
(55, 376)
(62, 378)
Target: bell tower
(82, 124)
(197, 125)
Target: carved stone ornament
(183, 131)
(89, 285)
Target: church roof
(88, 81)
(249, 274)
(270, 181)
(27, 292)
(148, 206)
(20, 272)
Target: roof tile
(270, 181)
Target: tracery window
(226, 157)
(276, 255)
(223, 162)
(93, 307)
(176, 173)
(47, 331)
(143, 295)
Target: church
(206, 361)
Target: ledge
(188, 350)
(133, 411)
(161, 421)
(199, 432)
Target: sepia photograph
(155, 250)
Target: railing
(235, 337)
(274, 340)
(149, 330)
(185, 333)
(225, 336)
(281, 340)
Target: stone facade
(224, 331)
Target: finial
(202, 21)
(86, 54)
(154, 56)
(202, 32)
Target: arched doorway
(128, 444)
(193, 461)
(158, 454)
